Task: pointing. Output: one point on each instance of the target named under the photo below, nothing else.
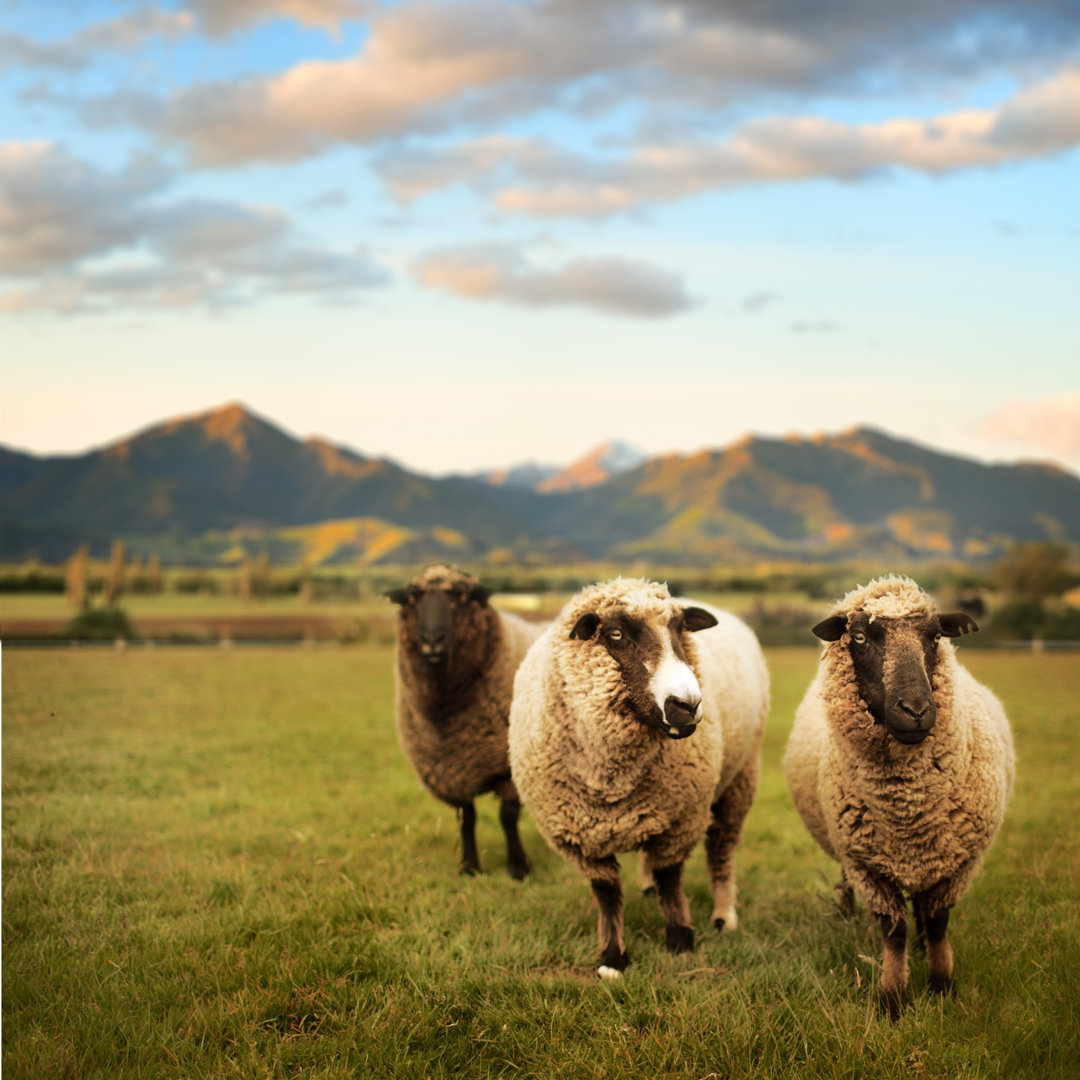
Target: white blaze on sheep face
(659, 686)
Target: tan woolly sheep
(636, 725)
(454, 666)
(900, 764)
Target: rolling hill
(210, 486)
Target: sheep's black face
(659, 688)
(894, 661)
(432, 615)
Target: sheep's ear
(398, 596)
(481, 594)
(698, 619)
(831, 629)
(586, 626)
(957, 623)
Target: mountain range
(227, 483)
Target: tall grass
(218, 864)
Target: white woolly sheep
(636, 724)
(455, 664)
(900, 764)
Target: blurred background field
(217, 863)
(1032, 593)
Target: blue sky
(465, 233)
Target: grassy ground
(216, 863)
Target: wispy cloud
(76, 238)
(432, 69)
(500, 273)
(1051, 425)
(225, 16)
(123, 33)
(536, 180)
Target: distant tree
(1032, 573)
(261, 577)
(75, 579)
(243, 580)
(153, 574)
(114, 578)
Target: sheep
(637, 724)
(454, 669)
(900, 765)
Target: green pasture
(216, 863)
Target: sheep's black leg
(939, 953)
(675, 908)
(725, 828)
(607, 888)
(894, 975)
(515, 853)
(920, 928)
(470, 860)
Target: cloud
(220, 17)
(428, 68)
(424, 67)
(611, 285)
(75, 238)
(1051, 425)
(758, 301)
(534, 179)
(122, 34)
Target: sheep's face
(431, 614)
(894, 661)
(658, 686)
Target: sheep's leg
(939, 953)
(920, 928)
(728, 814)
(675, 907)
(509, 812)
(894, 971)
(470, 859)
(607, 888)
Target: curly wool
(901, 820)
(596, 780)
(454, 731)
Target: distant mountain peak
(597, 466)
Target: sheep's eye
(859, 637)
(615, 635)
(937, 638)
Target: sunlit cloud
(610, 285)
(75, 238)
(225, 16)
(1051, 425)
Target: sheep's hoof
(519, 871)
(680, 939)
(942, 984)
(613, 964)
(891, 1002)
(468, 870)
(726, 920)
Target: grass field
(216, 863)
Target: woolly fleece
(454, 732)
(900, 820)
(597, 781)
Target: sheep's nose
(682, 712)
(433, 646)
(917, 708)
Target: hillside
(213, 485)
